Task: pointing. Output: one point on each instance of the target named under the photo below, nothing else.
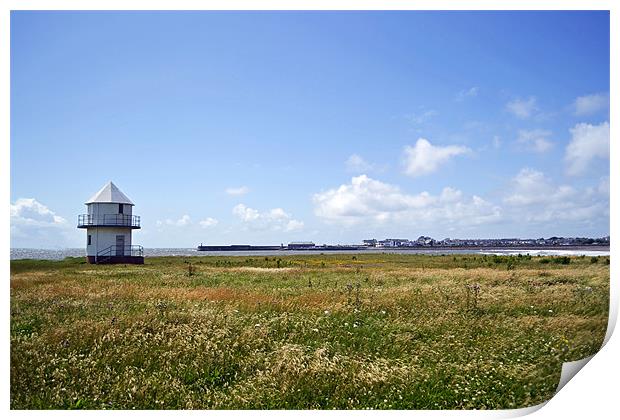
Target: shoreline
(532, 247)
(355, 248)
(59, 254)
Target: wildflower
(326, 312)
(257, 325)
(550, 310)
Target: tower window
(120, 209)
(89, 239)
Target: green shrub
(562, 260)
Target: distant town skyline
(330, 127)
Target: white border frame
(592, 394)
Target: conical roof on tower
(109, 194)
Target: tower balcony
(108, 220)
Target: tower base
(116, 259)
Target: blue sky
(268, 127)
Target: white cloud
(424, 158)
(590, 104)
(588, 142)
(450, 195)
(522, 108)
(422, 117)
(293, 225)
(208, 222)
(532, 187)
(467, 93)
(533, 197)
(274, 219)
(531, 202)
(603, 186)
(535, 140)
(29, 212)
(356, 163)
(183, 221)
(497, 142)
(245, 213)
(237, 190)
(34, 225)
(371, 202)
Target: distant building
(425, 241)
(301, 245)
(109, 223)
(388, 243)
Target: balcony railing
(127, 220)
(121, 251)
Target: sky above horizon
(332, 127)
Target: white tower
(109, 224)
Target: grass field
(322, 331)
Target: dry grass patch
(328, 331)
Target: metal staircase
(112, 251)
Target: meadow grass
(302, 332)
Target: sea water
(59, 254)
